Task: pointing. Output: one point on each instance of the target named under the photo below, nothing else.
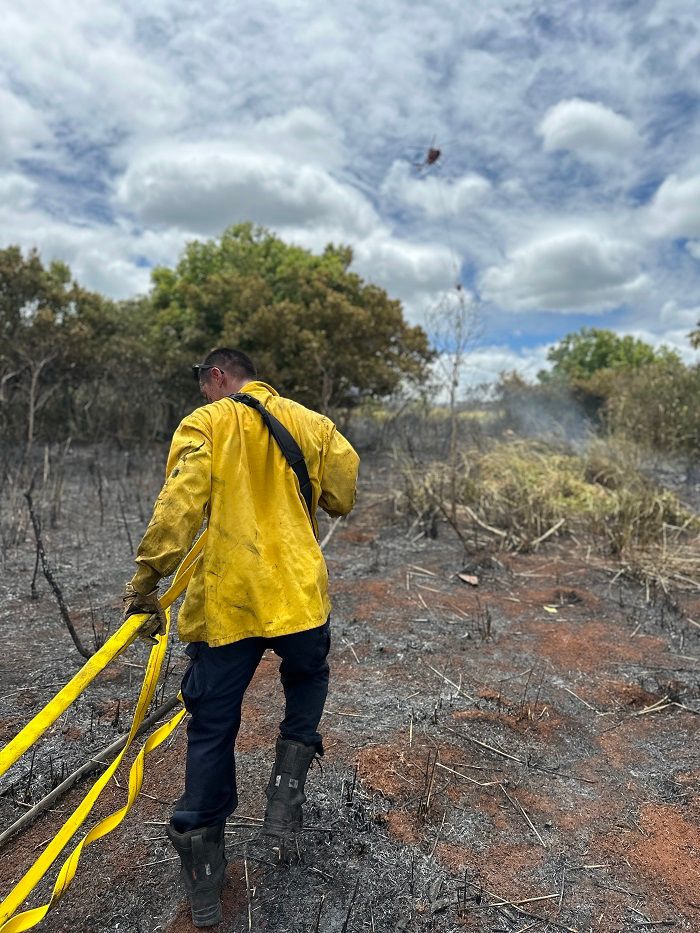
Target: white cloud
(22, 127)
(434, 196)
(407, 270)
(81, 66)
(205, 187)
(16, 191)
(113, 260)
(576, 269)
(165, 103)
(675, 317)
(675, 209)
(483, 365)
(674, 339)
(302, 135)
(587, 128)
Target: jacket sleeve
(338, 475)
(180, 507)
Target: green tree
(578, 356)
(658, 407)
(315, 329)
(37, 307)
(72, 362)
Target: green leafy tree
(37, 311)
(315, 329)
(578, 356)
(658, 407)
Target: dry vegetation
(512, 716)
(517, 494)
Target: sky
(566, 194)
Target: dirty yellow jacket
(262, 572)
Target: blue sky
(567, 193)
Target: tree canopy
(315, 329)
(579, 355)
(74, 362)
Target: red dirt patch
(667, 855)
(389, 769)
(542, 721)
(622, 693)
(511, 863)
(404, 827)
(582, 646)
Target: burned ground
(527, 741)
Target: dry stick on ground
(540, 768)
(547, 534)
(494, 531)
(504, 902)
(51, 580)
(318, 915)
(99, 759)
(247, 894)
(352, 904)
(519, 807)
(125, 523)
(450, 682)
(329, 535)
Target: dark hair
(235, 362)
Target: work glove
(136, 603)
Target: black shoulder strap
(288, 446)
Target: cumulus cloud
(127, 129)
(301, 134)
(577, 269)
(587, 128)
(22, 127)
(483, 365)
(16, 191)
(693, 247)
(434, 196)
(406, 269)
(675, 208)
(205, 187)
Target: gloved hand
(137, 603)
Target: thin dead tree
(50, 579)
(454, 326)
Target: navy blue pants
(213, 688)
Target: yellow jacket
(262, 572)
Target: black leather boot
(203, 864)
(285, 791)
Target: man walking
(237, 463)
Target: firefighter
(261, 583)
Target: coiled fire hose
(10, 920)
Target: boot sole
(207, 916)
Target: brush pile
(520, 493)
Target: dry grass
(522, 492)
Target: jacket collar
(258, 389)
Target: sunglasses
(199, 368)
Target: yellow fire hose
(10, 922)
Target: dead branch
(92, 765)
(547, 534)
(51, 580)
(330, 532)
(494, 531)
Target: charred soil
(520, 754)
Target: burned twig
(51, 580)
(518, 806)
(91, 765)
(450, 682)
(350, 907)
